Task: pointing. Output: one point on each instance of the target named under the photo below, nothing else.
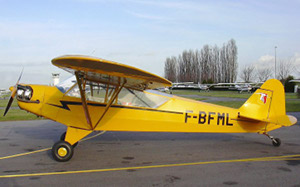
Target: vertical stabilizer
(268, 104)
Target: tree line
(285, 67)
(208, 65)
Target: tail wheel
(276, 142)
(62, 151)
(63, 136)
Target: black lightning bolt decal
(64, 104)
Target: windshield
(65, 85)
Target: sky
(140, 33)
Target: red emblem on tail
(263, 97)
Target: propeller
(13, 94)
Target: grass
(14, 114)
(4, 95)
(231, 94)
(232, 104)
(3, 103)
(197, 99)
(17, 114)
(291, 106)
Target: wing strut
(79, 78)
(112, 99)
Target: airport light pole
(275, 61)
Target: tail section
(268, 104)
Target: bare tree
(232, 60)
(297, 70)
(223, 65)
(187, 61)
(195, 66)
(170, 69)
(216, 64)
(264, 74)
(204, 63)
(228, 60)
(210, 64)
(247, 73)
(286, 67)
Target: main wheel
(62, 151)
(276, 142)
(63, 136)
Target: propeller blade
(20, 76)
(11, 99)
(13, 93)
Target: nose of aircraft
(30, 98)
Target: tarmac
(148, 159)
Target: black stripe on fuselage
(64, 105)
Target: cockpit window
(130, 97)
(102, 93)
(66, 84)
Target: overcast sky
(140, 33)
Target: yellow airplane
(109, 96)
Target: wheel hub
(62, 151)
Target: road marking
(46, 149)
(262, 159)
(23, 154)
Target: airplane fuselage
(175, 115)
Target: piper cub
(109, 96)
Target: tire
(63, 136)
(276, 142)
(62, 151)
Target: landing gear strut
(63, 150)
(276, 141)
(63, 136)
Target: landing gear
(63, 136)
(275, 141)
(62, 151)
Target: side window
(98, 92)
(130, 97)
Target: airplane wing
(108, 72)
